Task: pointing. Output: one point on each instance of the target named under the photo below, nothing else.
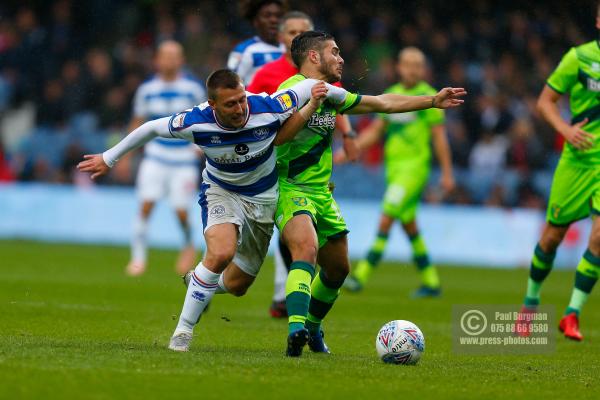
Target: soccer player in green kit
(307, 216)
(407, 163)
(575, 192)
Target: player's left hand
(449, 97)
(447, 183)
(351, 149)
(94, 164)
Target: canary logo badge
(285, 101)
(300, 201)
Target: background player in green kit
(407, 164)
(575, 192)
(307, 215)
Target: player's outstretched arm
(297, 121)
(574, 134)
(99, 164)
(390, 103)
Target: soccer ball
(400, 342)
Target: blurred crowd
(69, 70)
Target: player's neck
(313, 73)
(169, 77)
(409, 85)
(271, 41)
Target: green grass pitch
(72, 326)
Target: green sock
(365, 267)
(586, 276)
(297, 290)
(429, 275)
(541, 265)
(324, 294)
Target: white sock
(281, 274)
(138, 243)
(201, 289)
(222, 288)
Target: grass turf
(73, 326)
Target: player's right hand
(319, 91)
(579, 138)
(94, 164)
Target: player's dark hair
(295, 15)
(250, 8)
(309, 40)
(222, 79)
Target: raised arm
(390, 103)
(100, 164)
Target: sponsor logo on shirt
(285, 101)
(593, 85)
(326, 120)
(241, 149)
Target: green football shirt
(578, 74)
(408, 135)
(307, 160)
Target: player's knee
(595, 242)
(551, 238)
(305, 250)
(220, 257)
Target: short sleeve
(565, 75)
(352, 100)
(182, 124)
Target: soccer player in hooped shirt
(248, 56)
(407, 163)
(575, 192)
(170, 168)
(307, 215)
(267, 79)
(237, 131)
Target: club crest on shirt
(285, 101)
(260, 133)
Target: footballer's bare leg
(139, 247)
(221, 245)
(187, 255)
(300, 237)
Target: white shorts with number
(157, 180)
(255, 224)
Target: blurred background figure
(170, 168)
(408, 137)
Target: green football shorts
(318, 204)
(575, 194)
(404, 189)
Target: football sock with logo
(365, 267)
(297, 290)
(541, 265)
(199, 293)
(138, 244)
(324, 292)
(586, 276)
(429, 275)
